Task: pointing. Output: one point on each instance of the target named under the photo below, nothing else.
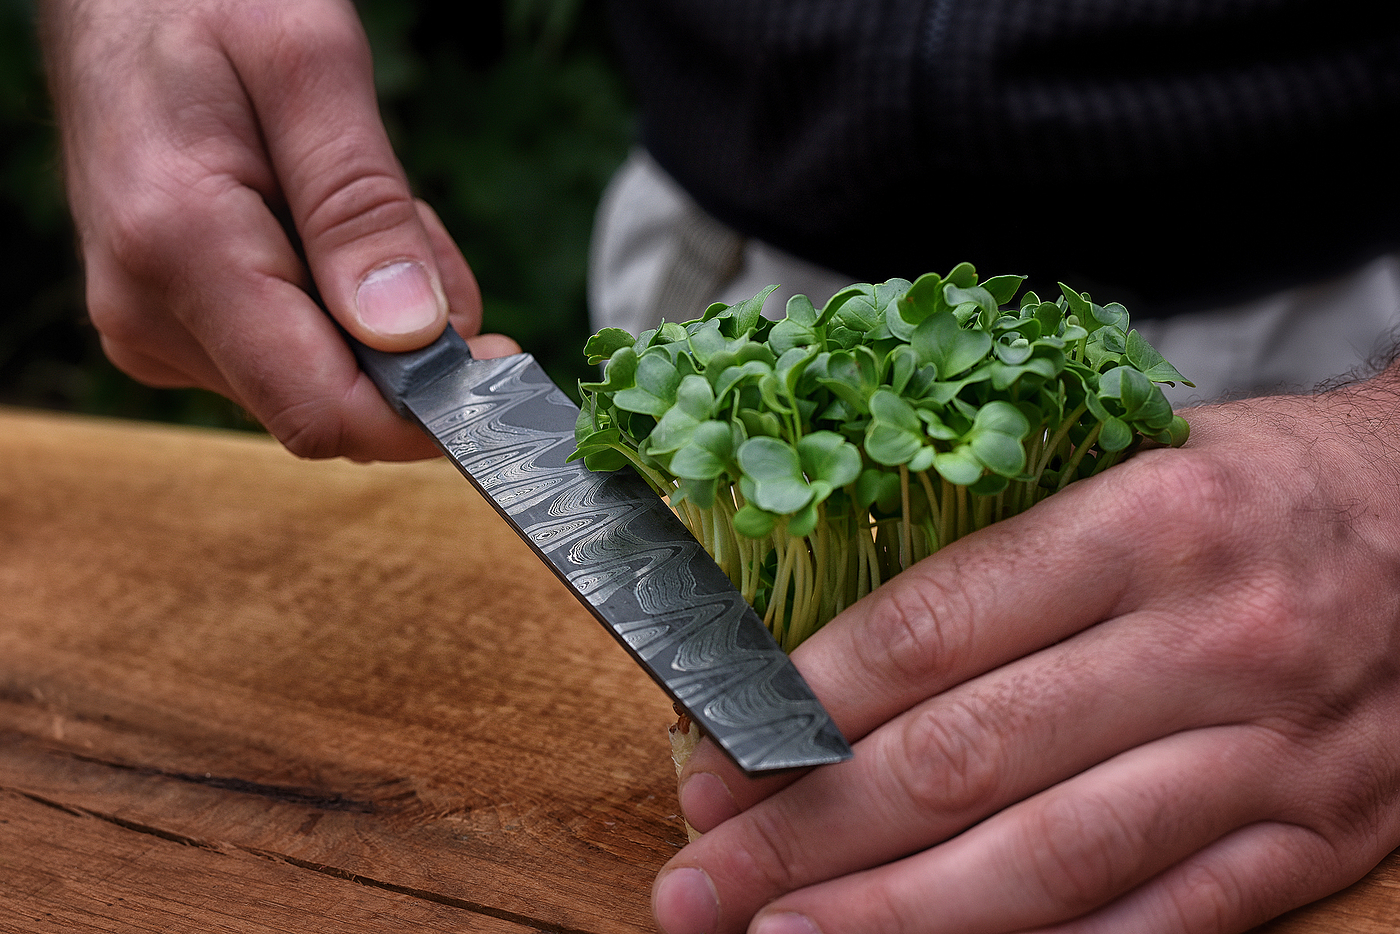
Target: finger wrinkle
(946, 763)
(1084, 850)
(309, 428)
(769, 852)
(915, 634)
(357, 207)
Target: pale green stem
(935, 513)
(778, 603)
(1079, 452)
(826, 591)
(1060, 433)
(1107, 460)
(982, 511)
(793, 554)
(906, 546)
(948, 530)
(872, 564)
(964, 518)
(841, 598)
(754, 563)
(802, 594)
(855, 543)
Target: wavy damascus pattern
(628, 557)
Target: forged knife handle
(399, 375)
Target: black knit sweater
(1166, 152)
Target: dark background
(509, 116)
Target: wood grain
(242, 693)
(66, 870)
(356, 669)
(1371, 906)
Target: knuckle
(949, 763)
(1184, 495)
(302, 48)
(1081, 853)
(308, 429)
(1269, 634)
(1207, 899)
(115, 319)
(143, 367)
(356, 203)
(1205, 535)
(1357, 822)
(136, 237)
(919, 627)
(768, 853)
(181, 46)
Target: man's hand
(196, 136)
(1166, 699)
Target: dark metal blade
(622, 550)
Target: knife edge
(617, 545)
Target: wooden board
(241, 693)
(68, 870)
(353, 672)
(1371, 906)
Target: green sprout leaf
(877, 489)
(923, 297)
(654, 390)
(619, 374)
(960, 466)
(747, 313)
(1153, 365)
(752, 522)
(995, 439)
(974, 295)
(1080, 307)
(1003, 288)
(1115, 435)
(895, 434)
(940, 341)
(694, 404)
(818, 455)
(775, 474)
(707, 453)
(826, 457)
(607, 342)
(852, 376)
(963, 275)
(798, 329)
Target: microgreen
(820, 454)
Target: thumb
(365, 243)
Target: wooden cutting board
(241, 692)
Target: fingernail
(706, 801)
(786, 922)
(685, 902)
(399, 298)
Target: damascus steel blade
(621, 549)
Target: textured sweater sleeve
(1173, 152)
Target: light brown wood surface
(242, 693)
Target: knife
(616, 545)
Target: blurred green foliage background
(509, 116)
